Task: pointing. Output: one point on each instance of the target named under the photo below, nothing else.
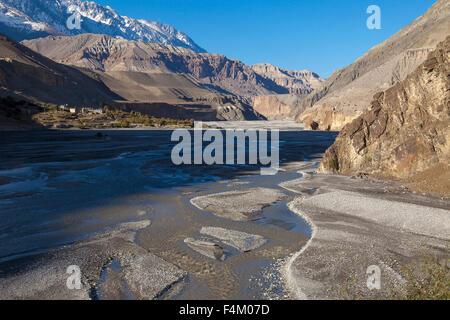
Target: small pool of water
(112, 284)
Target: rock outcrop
(325, 118)
(347, 93)
(407, 129)
(271, 107)
(277, 107)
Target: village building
(92, 110)
(63, 107)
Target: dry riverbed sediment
(141, 274)
(186, 252)
(233, 239)
(241, 205)
(358, 223)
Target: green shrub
(127, 119)
(124, 123)
(427, 279)
(50, 107)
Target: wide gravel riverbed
(140, 227)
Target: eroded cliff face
(407, 129)
(281, 106)
(326, 118)
(297, 81)
(349, 91)
(271, 107)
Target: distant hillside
(25, 74)
(214, 72)
(297, 81)
(276, 107)
(281, 106)
(349, 91)
(28, 75)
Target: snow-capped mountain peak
(28, 19)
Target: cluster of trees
(129, 119)
(49, 107)
(19, 110)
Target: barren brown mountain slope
(155, 87)
(102, 53)
(406, 132)
(159, 92)
(28, 75)
(347, 93)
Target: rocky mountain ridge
(298, 82)
(102, 53)
(29, 19)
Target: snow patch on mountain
(28, 19)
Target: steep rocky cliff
(272, 107)
(348, 91)
(405, 133)
(281, 106)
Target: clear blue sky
(320, 35)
